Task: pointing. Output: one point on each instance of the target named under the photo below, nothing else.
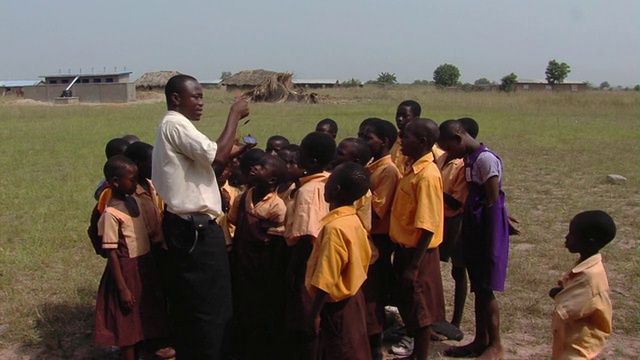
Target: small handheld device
(249, 140)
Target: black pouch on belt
(200, 221)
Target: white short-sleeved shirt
(486, 166)
(181, 167)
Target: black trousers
(199, 295)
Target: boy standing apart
(582, 316)
(417, 226)
(337, 268)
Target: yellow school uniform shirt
(418, 204)
(453, 182)
(228, 229)
(340, 258)
(384, 177)
(363, 209)
(400, 160)
(582, 316)
(309, 207)
(270, 209)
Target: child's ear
(273, 180)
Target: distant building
(105, 88)
(543, 85)
(316, 83)
(16, 86)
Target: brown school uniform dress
(338, 265)
(258, 265)
(384, 181)
(114, 325)
(418, 206)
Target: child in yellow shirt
(582, 316)
(337, 268)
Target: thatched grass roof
(252, 77)
(155, 79)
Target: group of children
(322, 236)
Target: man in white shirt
(183, 174)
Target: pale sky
(331, 39)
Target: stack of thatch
(267, 86)
(154, 80)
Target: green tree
(385, 78)
(556, 72)
(446, 75)
(225, 75)
(604, 84)
(353, 82)
(482, 81)
(422, 82)
(636, 88)
(508, 82)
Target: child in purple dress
(485, 236)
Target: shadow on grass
(66, 329)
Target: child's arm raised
(127, 300)
(412, 271)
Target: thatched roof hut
(247, 79)
(155, 79)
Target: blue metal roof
(18, 83)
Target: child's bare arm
(127, 300)
(492, 190)
(423, 244)
(314, 320)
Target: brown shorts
(451, 247)
(422, 303)
(343, 332)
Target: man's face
(191, 100)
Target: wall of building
(549, 87)
(100, 93)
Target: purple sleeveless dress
(485, 233)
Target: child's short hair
(427, 128)
(117, 166)
(130, 138)
(281, 138)
(413, 106)
(368, 122)
(116, 146)
(595, 225)
(353, 179)
(329, 123)
(361, 148)
(280, 171)
(384, 129)
(138, 151)
(319, 146)
(251, 158)
(470, 126)
(294, 148)
(451, 128)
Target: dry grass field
(557, 150)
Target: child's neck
(337, 204)
(421, 154)
(471, 144)
(584, 255)
(381, 154)
(313, 170)
(284, 186)
(260, 191)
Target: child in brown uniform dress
(258, 262)
(337, 268)
(130, 306)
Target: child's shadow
(66, 329)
